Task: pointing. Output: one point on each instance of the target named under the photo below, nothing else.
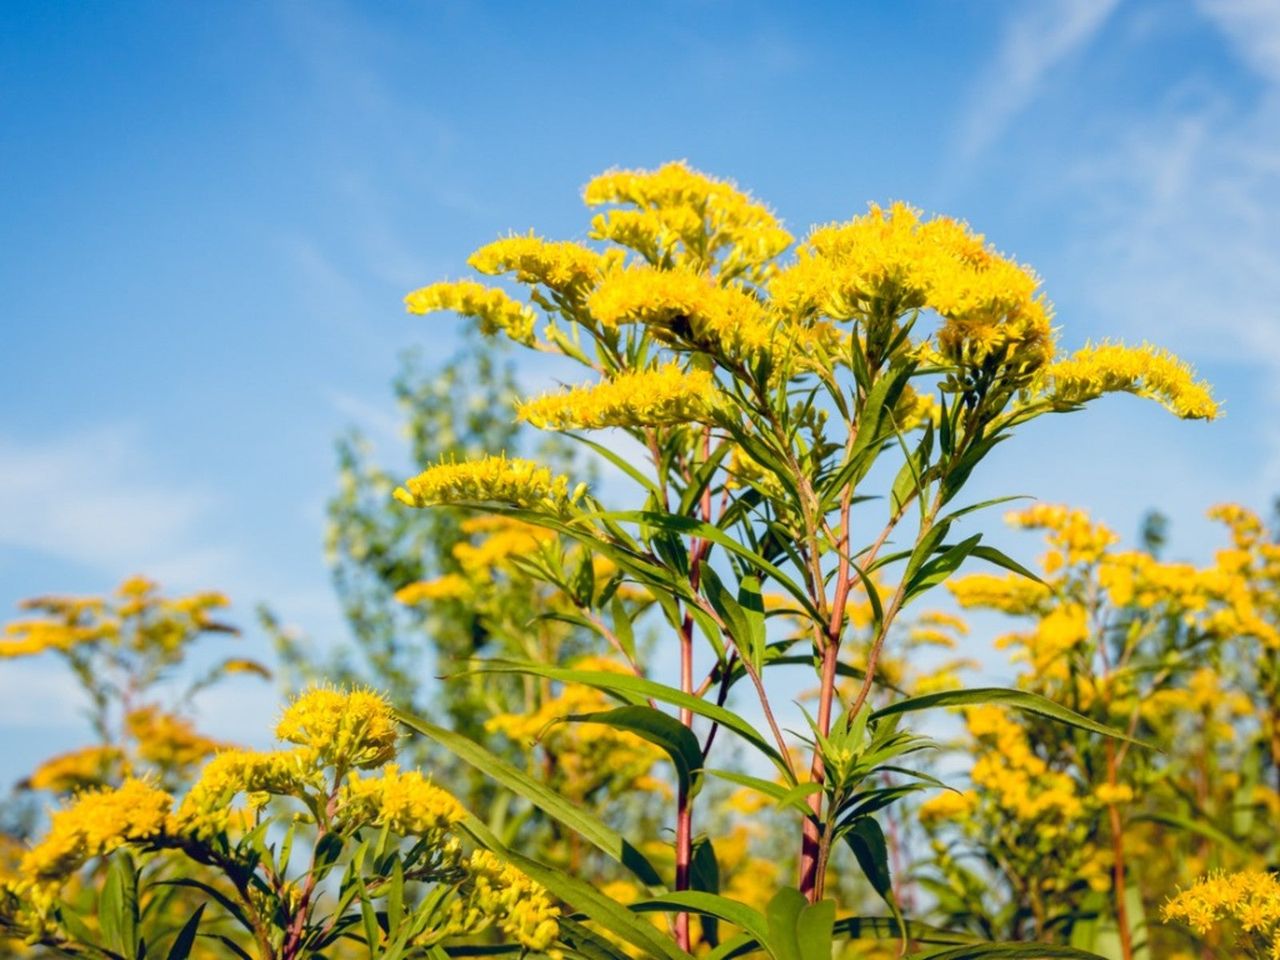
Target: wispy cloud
(91, 499)
(1253, 26)
(1040, 37)
(1182, 231)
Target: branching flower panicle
(1248, 901)
(96, 823)
(666, 396)
(495, 310)
(522, 483)
(1145, 371)
(345, 728)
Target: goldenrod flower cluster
(259, 774)
(501, 895)
(344, 728)
(1146, 371)
(167, 740)
(684, 308)
(75, 770)
(1248, 900)
(887, 262)
(335, 731)
(1020, 781)
(136, 618)
(1073, 534)
(503, 539)
(495, 310)
(684, 216)
(947, 805)
(406, 802)
(568, 268)
(96, 823)
(663, 396)
(451, 586)
(1011, 593)
(522, 483)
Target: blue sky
(211, 213)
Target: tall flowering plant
(798, 420)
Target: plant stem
(1117, 849)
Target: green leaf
(746, 627)
(1005, 951)
(1018, 699)
(571, 815)
(586, 898)
(866, 840)
(781, 795)
(186, 937)
(783, 914)
(230, 944)
(704, 876)
(1200, 827)
(660, 729)
(815, 930)
(621, 462)
(395, 897)
(941, 566)
(687, 526)
(708, 905)
(218, 896)
(118, 906)
(635, 690)
(992, 555)
(584, 941)
(622, 627)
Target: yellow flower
(74, 771)
(494, 309)
(405, 802)
(1113, 795)
(946, 806)
(344, 728)
(507, 538)
(522, 483)
(686, 216)
(876, 267)
(1146, 371)
(449, 587)
(684, 308)
(167, 740)
(206, 809)
(503, 896)
(1251, 898)
(95, 824)
(26, 638)
(1012, 594)
(666, 395)
(564, 267)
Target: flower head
(344, 728)
(96, 823)
(562, 266)
(405, 802)
(522, 483)
(1145, 371)
(666, 395)
(494, 309)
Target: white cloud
(1038, 39)
(89, 499)
(39, 695)
(1182, 236)
(1253, 26)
